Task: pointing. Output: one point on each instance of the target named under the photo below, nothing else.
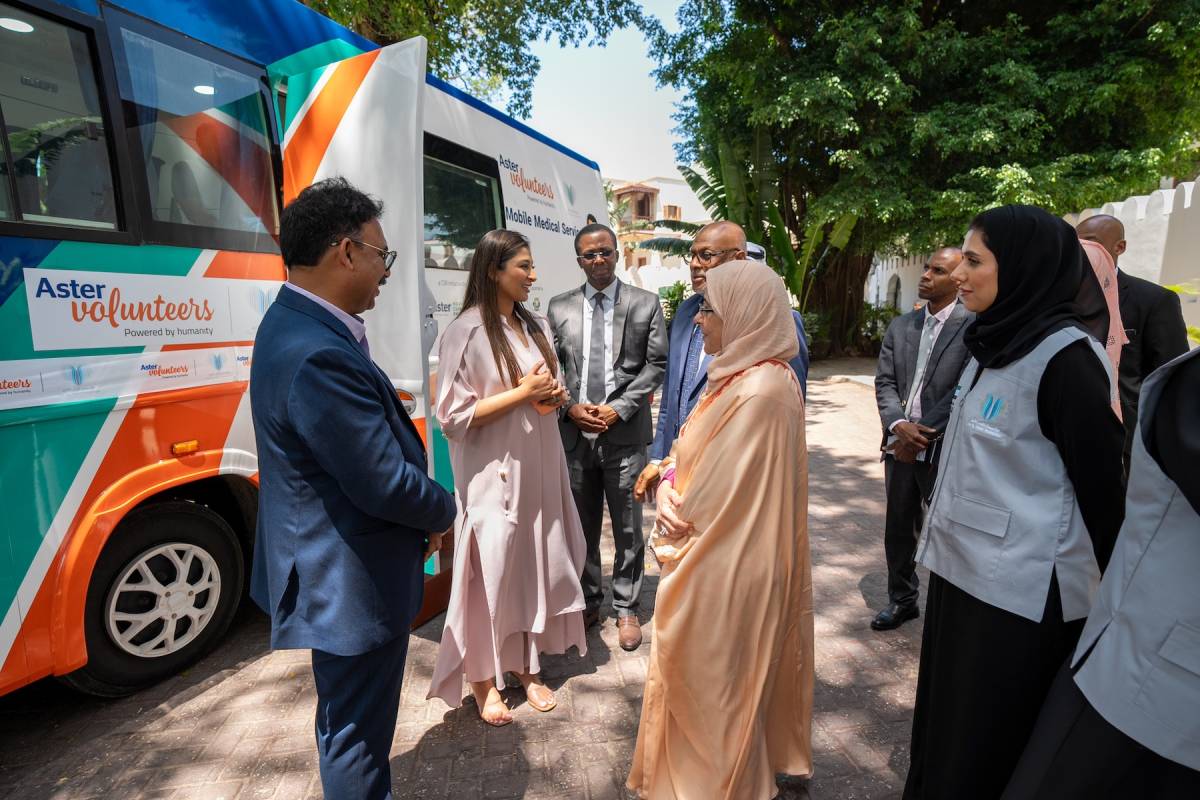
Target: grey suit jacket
(898, 361)
(640, 359)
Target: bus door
(361, 119)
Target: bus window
(461, 205)
(55, 140)
(6, 206)
(203, 132)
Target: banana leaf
(666, 244)
(712, 196)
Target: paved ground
(238, 725)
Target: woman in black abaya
(985, 671)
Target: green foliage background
(912, 116)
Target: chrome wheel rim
(163, 600)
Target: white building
(649, 200)
(1162, 229)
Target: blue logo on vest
(991, 407)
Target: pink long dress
(519, 546)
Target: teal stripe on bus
(41, 461)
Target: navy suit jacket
(671, 415)
(345, 498)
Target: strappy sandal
(543, 704)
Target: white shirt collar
(942, 315)
(354, 324)
(609, 291)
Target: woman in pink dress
(519, 547)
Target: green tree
(483, 45)
(913, 115)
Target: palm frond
(712, 195)
(736, 201)
(690, 228)
(839, 237)
(666, 244)
(788, 265)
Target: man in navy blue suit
(687, 363)
(347, 512)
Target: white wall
(663, 270)
(1163, 234)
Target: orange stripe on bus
(308, 144)
(141, 447)
(254, 266)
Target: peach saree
(728, 695)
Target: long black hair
(494, 250)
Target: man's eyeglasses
(705, 308)
(595, 255)
(388, 256)
(706, 257)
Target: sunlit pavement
(239, 724)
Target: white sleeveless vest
(1004, 516)
(1143, 673)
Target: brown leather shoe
(629, 633)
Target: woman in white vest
(1123, 719)
(1026, 507)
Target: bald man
(1152, 316)
(922, 356)
(687, 363)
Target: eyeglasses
(595, 255)
(708, 256)
(705, 308)
(388, 256)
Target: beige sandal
(539, 695)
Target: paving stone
(239, 725)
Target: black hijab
(1045, 284)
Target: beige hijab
(753, 304)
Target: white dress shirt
(610, 302)
(940, 321)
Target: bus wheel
(164, 590)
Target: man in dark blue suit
(347, 511)
(687, 363)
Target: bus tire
(163, 593)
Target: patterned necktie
(694, 352)
(922, 359)
(595, 370)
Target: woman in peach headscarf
(728, 696)
(1106, 273)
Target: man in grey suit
(611, 342)
(920, 361)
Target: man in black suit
(919, 364)
(1152, 316)
(611, 342)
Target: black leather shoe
(893, 617)
(591, 617)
